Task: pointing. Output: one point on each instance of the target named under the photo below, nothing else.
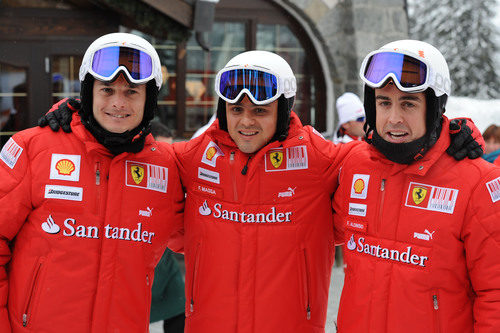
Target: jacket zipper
(307, 287)
(31, 295)
(148, 292)
(435, 306)
(98, 183)
(231, 164)
(193, 278)
(381, 207)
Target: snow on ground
(482, 112)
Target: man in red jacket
(85, 216)
(258, 229)
(422, 231)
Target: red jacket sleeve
(15, 206)
(333, 157)
(481, 236)
(181, 149)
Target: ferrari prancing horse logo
(418, 194)
(277, 158)
(137, 173)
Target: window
(13, 100)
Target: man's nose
(247, 119)
(395, 115)
(118, 101)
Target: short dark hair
(160, 129)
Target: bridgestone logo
(64, 192)
(75, 194)
(208, 175)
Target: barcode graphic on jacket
(494, 189)
(296, 158)
(10, 153)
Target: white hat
(349, 107)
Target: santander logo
(50, 226)
(204, 210)
(405, 256)
(270, 216)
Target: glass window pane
(280, 39)
(13, 100)
(227, 39)
(167, 102)
(65, 80)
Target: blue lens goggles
(137, 64)
(410, 73)
(261, 87)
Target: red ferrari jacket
(422, 243)
(497, 161)
(259, 236)
(81, 231)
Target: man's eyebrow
(402, 98)
(109, 84)
(410, 98)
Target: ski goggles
(136, 64)
(262, 87)
(408, 73)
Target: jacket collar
(422, 166)
(91, 143)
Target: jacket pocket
(194, 278)
(306, 281)
(435, 311)
(28, 309)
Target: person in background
(85, 216)
(491, 137)
(422, 231)
(167, 292)
(351, 114)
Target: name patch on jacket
(429, 197)
(211, 153)
(65, 167)
(147, 176)
(234, 213)
(494, 189)
(293, 158)
(10, 153)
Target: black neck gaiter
(117, 143)
(403, 153)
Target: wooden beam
(178, 10)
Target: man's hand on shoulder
(466, 139)
(60, 115)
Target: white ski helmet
(414, 66)
(437, 76)
(274, 70)
(146, 61)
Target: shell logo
(211, 153)
(65, 167)
(359, 186)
